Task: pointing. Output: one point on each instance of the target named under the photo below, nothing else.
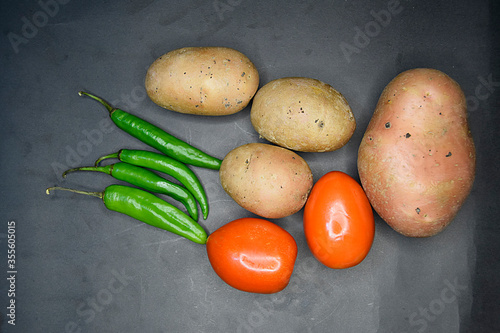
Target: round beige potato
(270, 181)
(211, 81)
(302, 114)
(417, 159)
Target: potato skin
(270, 181)
(302, 114)
(210, 81)
(417, 159)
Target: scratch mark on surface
(244, 131)
(189, 135)
(206, 298)
(192, 283)
(222, 200)
(140, 225)
(166, 241)
(142, 296)
(329, 314)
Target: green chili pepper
(147, 208)
(158, 138)
(147, 180)
(165, 164)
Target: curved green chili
(165, 164)
(147, 180)
(158, 138)
(147, 208)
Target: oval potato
(210, 81)
(270, 181)
(417, 160)
(302, 114)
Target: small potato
(302, 114)
(267, 180)
(211, 81)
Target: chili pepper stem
(93, 194)
(105, 169)
(100, 100)
(102, 158)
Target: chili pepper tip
(99, 99)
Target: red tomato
(338, 221)
(252, 255)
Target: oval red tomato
(253, 255)
(338, 221)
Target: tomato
(338, 221)
(253, 255)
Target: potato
(270, 181)
(302, 114)
(417, 159)
(211, 81)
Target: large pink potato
(417, 159)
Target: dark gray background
(85, 268)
